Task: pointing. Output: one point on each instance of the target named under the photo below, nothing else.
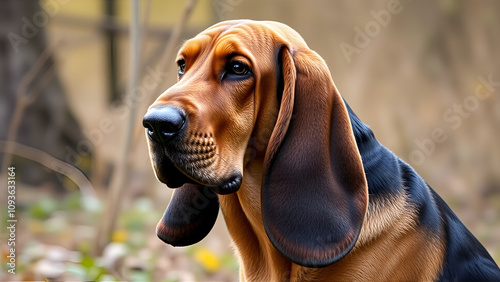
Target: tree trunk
(30, 87)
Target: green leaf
(43, 208)
(87, 262)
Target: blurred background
(78, 75)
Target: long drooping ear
(314, 192)
(190, 215)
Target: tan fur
(385, 212)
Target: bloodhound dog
(256, 126)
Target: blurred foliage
(52, 248)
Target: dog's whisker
(221, 157)
(216, 146)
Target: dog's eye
(238, 68)
(182, 67)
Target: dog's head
(245, 80)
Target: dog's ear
(314, 192)
(190, 215)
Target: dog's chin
(174, 177)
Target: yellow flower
(119, 236)
(207, 259)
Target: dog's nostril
(149, 129)
(163, 123)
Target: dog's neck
(242, 213)
(382, 168)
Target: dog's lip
(175, 177)
(172, 176)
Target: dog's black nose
(163, 123)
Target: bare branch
(52, 163)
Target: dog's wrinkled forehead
(240, 35)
